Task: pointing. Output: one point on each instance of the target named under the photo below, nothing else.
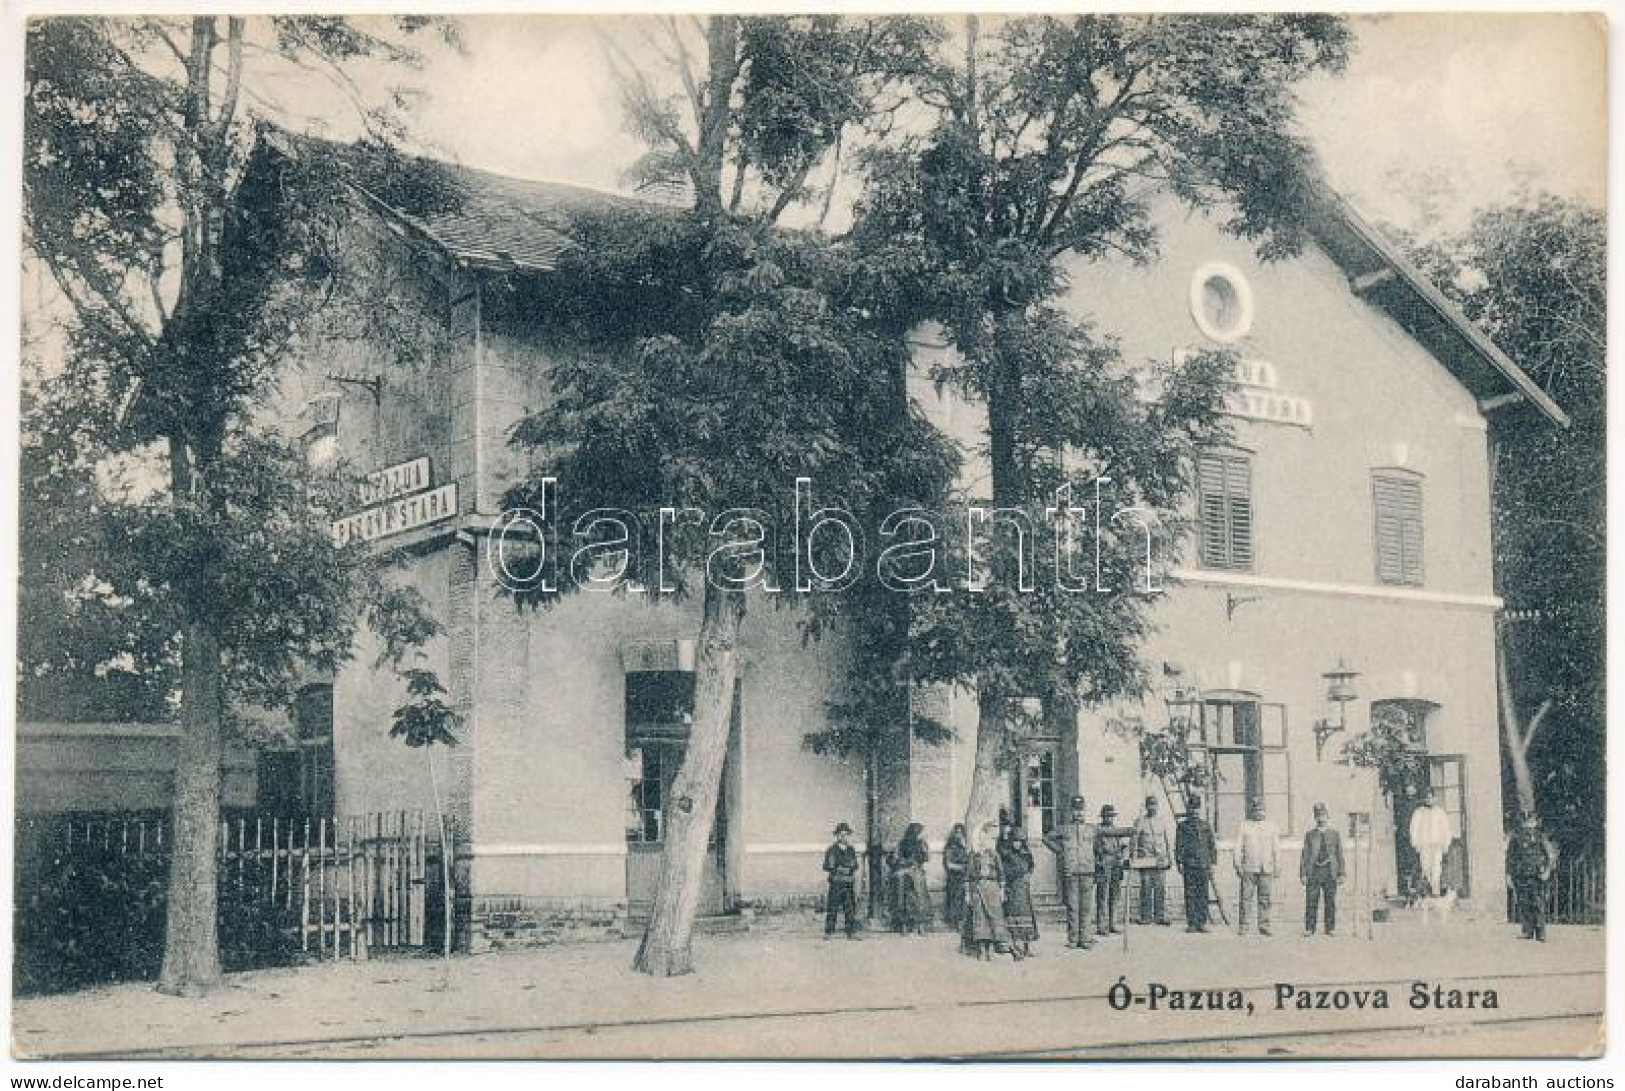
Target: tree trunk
(987, 779)
(1517, 739)
(1009, 489)
(446, 899)
(666, 950)
(191, 930)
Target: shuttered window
(1397, 502)
(1224, 490)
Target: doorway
(1445, 775)
(1033, 806)
(659, 715)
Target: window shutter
(1272, 732)
(1225, 507)
(1210, 490)
(1397, 502)
(1241, 513)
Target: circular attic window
(1221, 302)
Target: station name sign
(1255, 397)
(399, 498)
(397, 480)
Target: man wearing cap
(841, 865)
(1073, 843)
(1320, 866)
(1258, 861)
(1530, 859)
(1196, 851)
(1111, 856)
(1152, 856)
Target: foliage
(164, 364)
(1049, 137)
(91, 913)
(186, 252)
(740, 111)
(427, 719)
(1168, 755)
(1386, 747)
(1532, 275)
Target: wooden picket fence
(357, 883)
(1577, 892)
(90, 888)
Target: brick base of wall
(498, 923)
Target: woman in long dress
(956, 864)
(1016, 861)
(913, 897)
(985, 929)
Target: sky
(1470, 105)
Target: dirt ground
(792, 994)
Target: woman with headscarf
(1016, 861)
(912, 898)
(956, 865)
(985, 930)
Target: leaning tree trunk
(1517, 738)
(667, 948)
(987, 784)
(1003, 390)
(191, 930)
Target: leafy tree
(1050, 137)
(186, 260)
(731, 357)
(1532, 275)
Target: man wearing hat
(1258, 861)
(841, 865)
(1530, 859)
(1152, 856)
(1196, 851)
(1111, 856)
(1320, 866)
(1073, 843)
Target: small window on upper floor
(1224, 497)
(1221, 302)
(1397, 511)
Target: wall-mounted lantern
(1339, 691)
(1183, 698)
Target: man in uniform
(1152, 856)
(1320, 866)
(1111, 857)
(1196, 851)
(1530, 857)
(841, 865)
(1258, 861)
(1073, 844)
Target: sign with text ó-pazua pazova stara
(401, 498)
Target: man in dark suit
(1320, 866)
(1531, 856)
(1195, 851)
(841, 865)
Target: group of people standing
(988, 890)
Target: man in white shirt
(1258, 861)
(1430, 837)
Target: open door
(659, 708)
